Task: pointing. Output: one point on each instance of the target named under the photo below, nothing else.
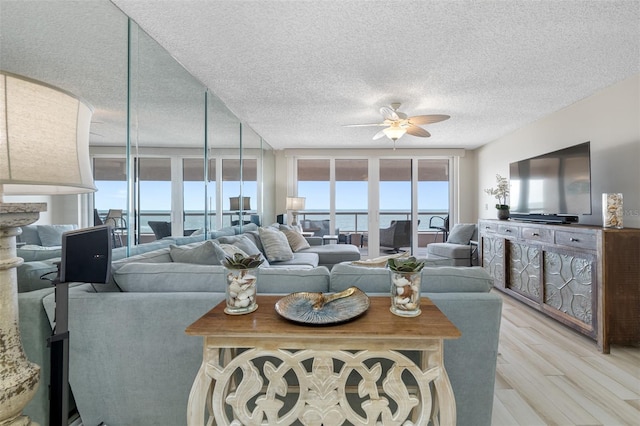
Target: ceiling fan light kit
(399, 123)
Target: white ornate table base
(382, 395)
(332, 381)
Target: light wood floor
(549, 375)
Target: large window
(110, 177)
(193, 190)
(361, 196)
(239, 181)
(154, 192)
(395, 190)
(314, 179)
(352, 199)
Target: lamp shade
(295, 203)
(44, 139)
(234, 203)
(394, 132)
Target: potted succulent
(242, 280)
(500, 192)
(405, 285)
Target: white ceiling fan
(398, 123)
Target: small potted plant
(500, 192)
(405, 285)
(242, 280)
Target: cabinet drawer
(577, 239)
(488, 227)
(537, 234)
(509, 230)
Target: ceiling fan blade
(428, 119)
(365, 125)
(379, 135)
(418, 131)
(388, 113)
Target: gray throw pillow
(202, 254)
(244, 243)
(275, 243)
(51, 235)
(30, 235)
(461, 233)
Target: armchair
(397, 235)
(459, 247)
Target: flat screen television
(554, 184)
(86, 255)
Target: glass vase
(405, 293)
(612, 211)
(241, 291)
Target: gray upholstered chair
(397, 235)
(458, 246)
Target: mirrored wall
(164, 148)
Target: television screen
(555, 183)
(86, 255)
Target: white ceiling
(297, 71)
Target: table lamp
(295, 204)
(44, 150)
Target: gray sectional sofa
(132, 364)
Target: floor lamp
(44, 138)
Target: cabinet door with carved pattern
(493, 258)
(569, 290)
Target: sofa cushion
(449, 250)
(31, 253)
(299, 260)
(51, 235)
(330, 254)
(30, 236)
(202, 254)
(276, 246)
(435, 279)
(461, 233)
(155, 256)
(170, 277)
(296, 241)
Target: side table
(326, 239)
(262, 369)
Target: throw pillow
(227, 250)
(462, 233)
(51, 235)
(242, 242)
(202, 254)
(275, 243)
(296, 241)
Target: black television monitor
(556, 183)
(86, 255)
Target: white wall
(610, 119)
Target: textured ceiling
(298, 71)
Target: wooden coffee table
(351, 372)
